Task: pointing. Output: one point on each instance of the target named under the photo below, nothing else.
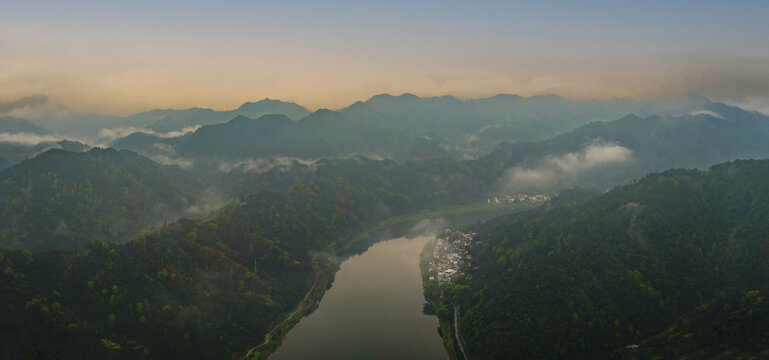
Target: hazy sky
(126, 56)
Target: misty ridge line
(30, 139)
(243, 144)
(18, 106)
(119, 132)
(175, 123)
(565, 166)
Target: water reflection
(372, 311)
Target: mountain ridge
(61, 199)
(644, 270)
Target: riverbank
(395, 226)
(443, 294)
(272, 339)
(372, 311)
(435, 305)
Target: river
(372, 311)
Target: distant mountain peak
(379, 97)
(321, 114)
(240, 118)
(27, 101)
(273, 117)
(265, 101)
(271, 106)
(505, 96)
(630, 117)
(547, 97)
(245, 119)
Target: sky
(120, 57)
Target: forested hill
(204, 289)
(14, 153)
(675, 264)
(322, 134)
(62, 199)
(21, 139)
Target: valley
(114, 253)
(447, 180)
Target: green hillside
(61, 199)
(671, 265)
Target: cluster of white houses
(449, 254)
(516, 198)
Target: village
(449, 254)
(516, 198)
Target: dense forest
(193, 289)
(61, 199)
(672, 265)
(210, 287)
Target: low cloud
(37, 109)
(707, 112)
(263, 164)
(167, 160)
(121, 132)
(565, 170)
(177, 133)
(195, 211)
(168, 149)
(27, 139)
(375, 157)
(428, 227)
(474, 137)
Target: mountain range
(96, 264)
(599, 154)
(461, 127)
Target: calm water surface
(372, 311)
